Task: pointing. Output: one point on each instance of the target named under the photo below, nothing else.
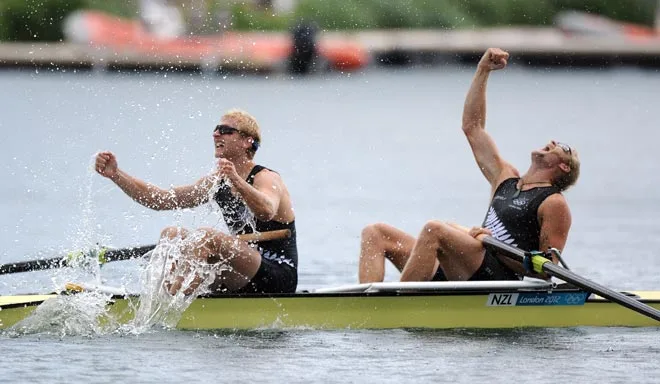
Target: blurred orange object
(238, 49)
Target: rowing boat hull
(369, 311)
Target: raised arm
(149, 195)
(488, 158)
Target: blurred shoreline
(528, 45)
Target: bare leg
(459, 254)
(379, 242)
(171, 233)
(215, 247)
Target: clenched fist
(106, 164)
(226, 169)
(494, 59)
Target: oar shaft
(127, 253)
(617, 297)
(124, 253)
(544, 265)
(27, 266)
(60, 262)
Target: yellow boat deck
(380, 310)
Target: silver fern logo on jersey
(497, 228)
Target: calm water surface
(374, 146)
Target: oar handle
(265, 236)
(108, 255)
(134, 253)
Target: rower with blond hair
(252, 198)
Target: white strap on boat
(440, 286)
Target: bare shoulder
(508, 172)
(270, 183)
(555, 205)
(269, 179)
(267, 174)
(555, 201)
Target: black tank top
(514, 220)
(240, 220)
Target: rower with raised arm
(528, 211)
(252, 198)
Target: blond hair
(568, 179)
(245, 123)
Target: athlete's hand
(479, 233)
(227, 170)
(106, 164)
(493, 59)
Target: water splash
(86, 238)
(156, 306)
(83, 314)
(88, 314)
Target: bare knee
(435, 226)
(213, 245)
(434, 231)
(379, 234)
(372, 233)
(172, 232)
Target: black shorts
(275, 275)
(491, 269)
(272, 277)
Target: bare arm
(263, 197)
(555, 219)
(149, 195)
(154, 197)
(488, 158)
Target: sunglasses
(565, 147)
(224, 129)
